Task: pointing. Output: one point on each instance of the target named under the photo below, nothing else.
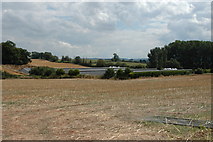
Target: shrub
(120, 74)
(48, 72)
(5, 75)
(36, 71)
(206, 70)
(73, 72)
(127, 71)
(60, 72)
(157, 73)
(109, 73)
(76, 72)
(42, 71)
(199, 71)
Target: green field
(119, 63)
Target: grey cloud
(99, 29)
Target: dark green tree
(109, 73)
(45, 56)
(115, 58)
(157, 58)
(60, 72)
(42, 71)
(120, 74)
(172, 63)
(74, 72)
(77, 60)
(189, 54)
(13, 55)
(66, 59)
(127, 71)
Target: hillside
(14, 69)
(40, 62)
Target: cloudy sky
(98, 29)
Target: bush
(36, 71)
(73, 72)
(120, 74)
(109, 73)
(5, 75)
(206, 70)
(199, 71)
(60, 72)
(157, 73)
(127, 71)
(42, 71)
(48, 72)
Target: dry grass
(104, 109)
(14, 69)
(39, 62)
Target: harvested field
(84, 109)
(39, 62)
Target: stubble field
(65, 109)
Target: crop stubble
(103, 109)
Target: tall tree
(186, 54)
(77, 60)
(115, 57)
(46, 56)
(13, 55)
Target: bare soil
(93, 109)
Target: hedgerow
(46, 72)
(4, 75)
(158, 73)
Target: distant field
(94, 62)
(131, 63)
(39, 62)
(90, 109)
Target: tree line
(47, 72)
(44, 55)
(178, 54)
(182, 54)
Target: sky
(99, 29)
